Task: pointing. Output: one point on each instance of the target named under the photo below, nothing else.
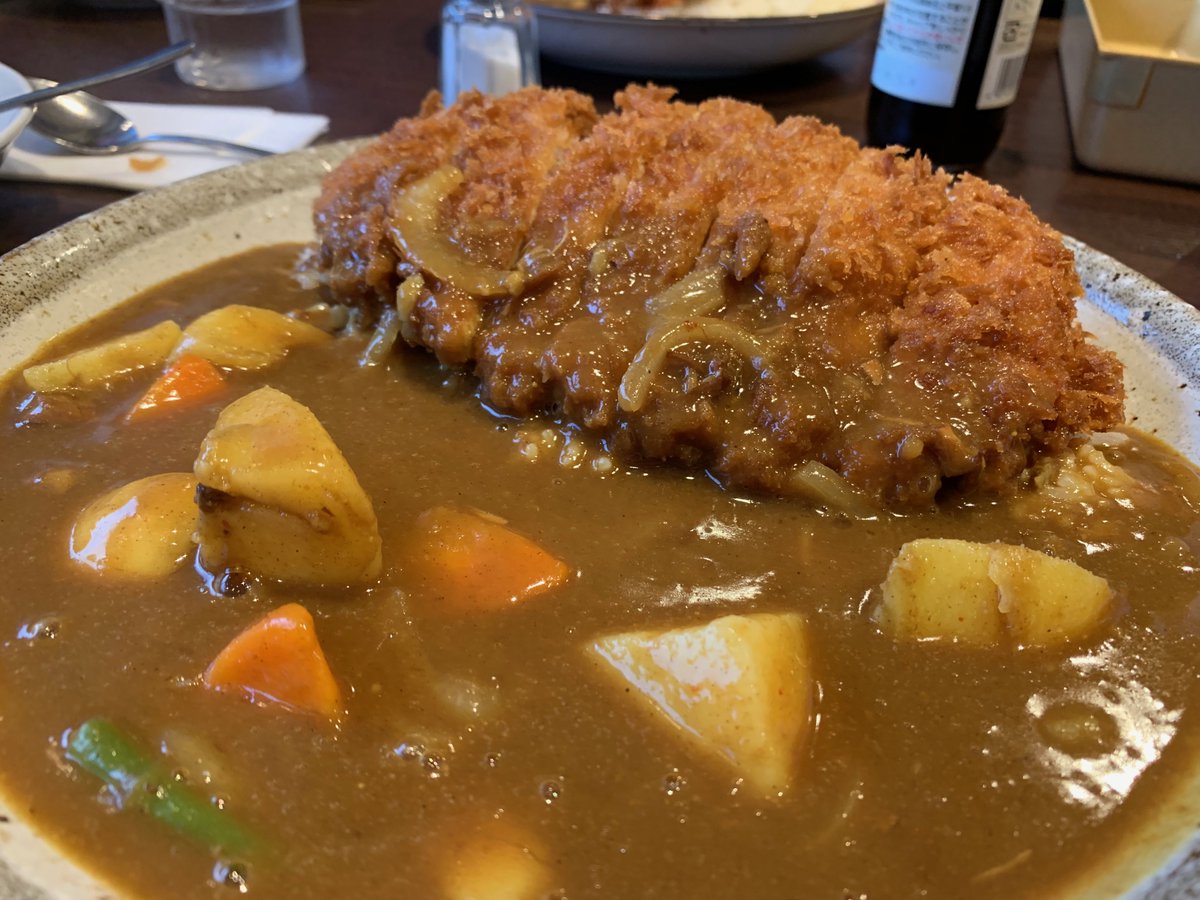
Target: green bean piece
(101, 748)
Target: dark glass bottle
(946, 72)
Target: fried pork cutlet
(702, 285)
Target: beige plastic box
(1131, 71)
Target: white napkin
(35, 158)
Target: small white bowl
(13, 122)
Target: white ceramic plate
(68, 275)
(694, 47)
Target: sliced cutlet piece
(828, 344)
(869, 246)
(350, 214)
(658, 238)
(779, 188)
(864, 252)
(501, 165)
(504, 147)
(626, 215)
(655, 238)
(991, 318)
(535, 349)
(655, 234)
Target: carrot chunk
(190, 379)
(470, 562)
(278, 659)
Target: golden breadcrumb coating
(701, 284)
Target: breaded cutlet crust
(873, 315)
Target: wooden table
(371, 61)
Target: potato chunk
(99, 365)
(278, 499)
(983, 594)
(1046, 600)
(740, 688)
(141, 530)
(498, 862)
(246, 337)
(940, 588)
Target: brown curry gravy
(928, 775)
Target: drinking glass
(241, 45)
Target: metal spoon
(86, 124)
(145, 64)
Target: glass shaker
(489, 46)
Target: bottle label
(1010, 47)
(922, 46)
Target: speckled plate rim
(64, 277)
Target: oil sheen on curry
(289, 612)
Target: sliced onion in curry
(413, 226)
(407, 294)
(699, 293)
(648, 362)
(387, 329)
(821, 485)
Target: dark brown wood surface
(371, 61)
